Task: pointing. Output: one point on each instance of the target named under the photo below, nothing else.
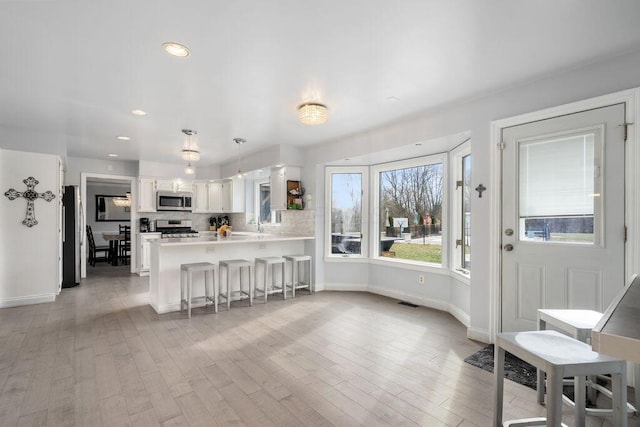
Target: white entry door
(562, 215)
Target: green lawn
(426, 253)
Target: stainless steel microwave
(173, 201)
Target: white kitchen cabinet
(278, 183)
(236, 190)
(145, 251)
(226, 196)
(146, 195)
(200, 197)
(215, 197)
(167, 184)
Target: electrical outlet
(421, 279)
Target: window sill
(348, 258)
(410, 265)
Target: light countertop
(235, 238)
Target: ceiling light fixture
(189, 170)
(122, 202)
(123, 138)
(239, 141)
(312, 113)
(112, 155)
(176, 49)
(138, 112)
(190, 154)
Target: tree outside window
(411, 213)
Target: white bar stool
(236, 264)
(578, 324)
(559, 356)
(270, 287)
(298, 262)
(186, 285)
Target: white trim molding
(27, 300)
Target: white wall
(74, 166)
(611, 75)
(28, 255)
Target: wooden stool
(270, 263)
(296, 283)
(186, 281)
(240, 265)
(578, 324)
(559, 356)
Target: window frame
(431, 159)
(458, 155)
(364, 241)
(275, 215)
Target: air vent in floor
(408, 304)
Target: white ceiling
(71, 71)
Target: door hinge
(458, 242)
(500, 145)
(625, 233)
(625, 130)
(459, 184)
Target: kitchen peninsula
(168, 254)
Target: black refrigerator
(72, 236)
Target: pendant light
(239, 141)
(190, 153)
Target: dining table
(114, 238)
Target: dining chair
(95, 250)
(125, 245)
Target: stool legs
(498, 366)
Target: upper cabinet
(278, 182)
(226, 196)
(146, 195)
(200, 197)
(174, 185)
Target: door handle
(508, 247)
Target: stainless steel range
(175, 228)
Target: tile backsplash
(298, 222)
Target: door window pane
(558, 189)
(346, 213)
(411, 213)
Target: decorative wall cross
(31, 195)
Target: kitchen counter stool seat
(270, 264)
(300, 263)
(559, 356)
(228, 266)
(187, 283)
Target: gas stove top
(175, 228)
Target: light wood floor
(100, 356)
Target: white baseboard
(478, 335)
(27, 300)
(162, 309)
(354, 287)
(459, 314)
(413, 299)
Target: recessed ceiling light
(123, 138)
(112, 155)
(138, 113)
(176, 49)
